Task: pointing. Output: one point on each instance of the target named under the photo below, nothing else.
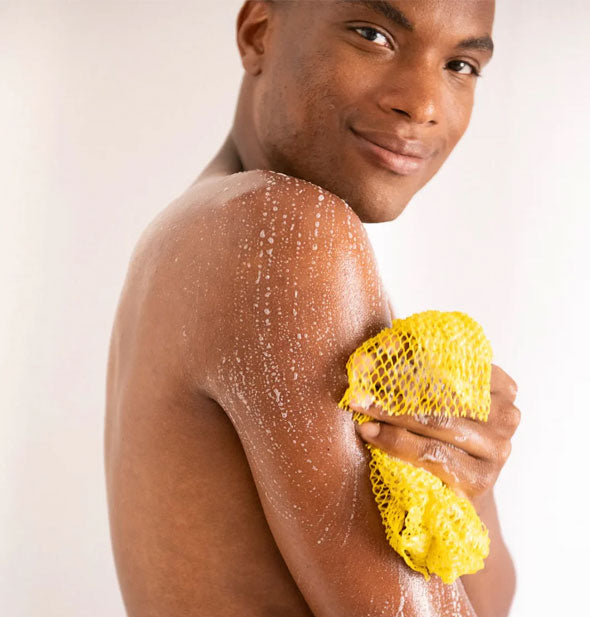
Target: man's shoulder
(226, 203)
(285, 221)
(233, 249)
(258, 191)
(288, 261)
(219, 219)
(216, 217)
(289, 209)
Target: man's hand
(465, 454)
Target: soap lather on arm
(304, 292)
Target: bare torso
(189, 532)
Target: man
(236, 485)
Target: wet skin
(214, 508)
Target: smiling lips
(399, 155)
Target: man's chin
(375, 203)
(374, 197)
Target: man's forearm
(491, 590)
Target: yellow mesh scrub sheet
(429, 363)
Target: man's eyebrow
(484, 43)
(386, 9)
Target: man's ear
(252, 29)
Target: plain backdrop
(108, 110)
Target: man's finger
(504, 417)
(501, 381)
(462, 433)
(454, 467)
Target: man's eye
(373, 33)
(463, 68)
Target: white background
(108, 110)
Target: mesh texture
(430, 363)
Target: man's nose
(415, 93)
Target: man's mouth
(402, 156)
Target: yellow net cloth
(429, 363)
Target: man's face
(341, 81)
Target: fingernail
(368, 429)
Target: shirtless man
(236, 485)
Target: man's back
(188, 531)
(234, 479)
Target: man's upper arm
(303, 291)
